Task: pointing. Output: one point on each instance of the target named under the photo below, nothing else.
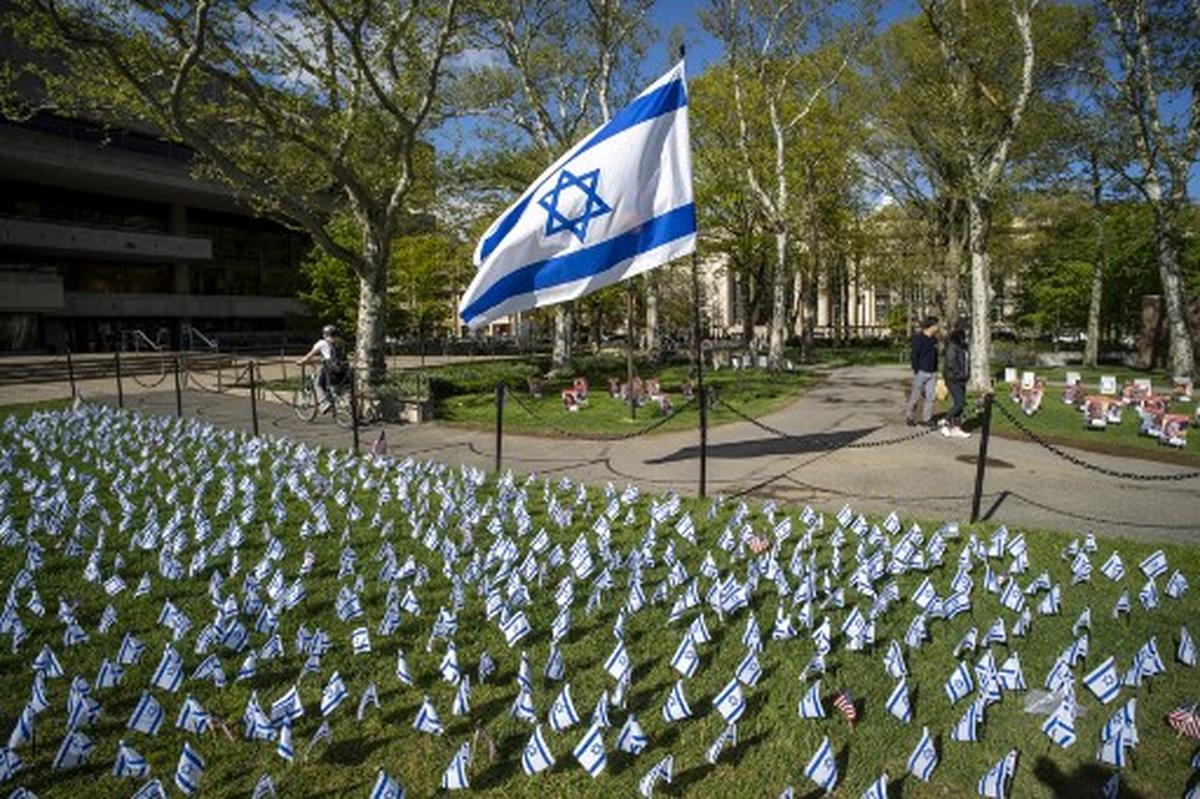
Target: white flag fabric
(537, 756)
(924, 757)
(617, 204)
(822, 769)
(590, 751)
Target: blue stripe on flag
(588, 262)
(663, 100)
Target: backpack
(339, 363)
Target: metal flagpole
(629, 349)
(700, 392)
(697, 334)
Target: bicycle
(305, 405)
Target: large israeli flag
(617, 204)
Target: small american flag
(1185, 720)
(844, 702)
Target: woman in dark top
(956, 372)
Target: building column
(181, 272)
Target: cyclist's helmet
(329, 330)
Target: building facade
(106, 238)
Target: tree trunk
(652, 339)
(1166, 250)
(1091, 347)
(779, 303)
(372, 322)
(743, 309)
(560, 357)
(808, 320)
(979, 214)
(955, 244)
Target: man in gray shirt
(925, 370)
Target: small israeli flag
(562, 712)
(618, 665)
(661, 772)
(334, 694)
(427, 719)
(631, 739)
(73, 752)
(924, 758)
(1187, 648)
(536, 756)
(730, 702)
(898, 703)
(810, 704)
(727, 738)
(189, 770)
(129, 763)
(283, 744)
(151, 790)
(749, 671)
(994, 783)
(960, 684)
(23, 730)
(454, 778)
(1060, 725)
(590, 752)
(676, 707)
(878, 789)
(893, 661)
(169, 674)
(1104, 681)
(967, 728)
(1113, 568)
(1010, 675)
(1154, 564)
(192, 716)
(264, 787)
(1112, 751)
(386, 787)
(686, 658)
(822, 768)
(147, 715)
(515, 628)
(615, 205)
(402, 672)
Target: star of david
(559, 220)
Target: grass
(464, 395)
(159, 462)
(1062, 424)
(23, 409)
(753, 391)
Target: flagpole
(699, 348)
(629, 349)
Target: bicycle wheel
(342, 414)
(304, 404)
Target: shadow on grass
(1084, 780)
(777, 445)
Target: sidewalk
(930, 477)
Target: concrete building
(105, 235)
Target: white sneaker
(946, 431)
(958, 432)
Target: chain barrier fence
(364, 406)
(1083, 464)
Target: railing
(135, 339)
(190, 334)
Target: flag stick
(629, 349)
(700, 393)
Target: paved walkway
(930, 477)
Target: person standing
(925, 370)
(957, 372)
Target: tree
(309, 109)
(562, 67)
(987, 124)
(1152, 68)
(776, 63)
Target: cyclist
(335, 367)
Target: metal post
(701, 393)
(283, 362)
(71, 373)
(120, 388)
(629, 350)
(354, 407)
(253, 398)
(983, 448)
(178, 393)
(499, 423)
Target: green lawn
(159, 466)
(1062, 424)
(752, 391)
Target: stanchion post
(629, 350)
(703, 440)
(71, 373)
(499, 423)
(354, 408)
(253, 399)
(120, 388)
(178, 393)
(981, 465)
